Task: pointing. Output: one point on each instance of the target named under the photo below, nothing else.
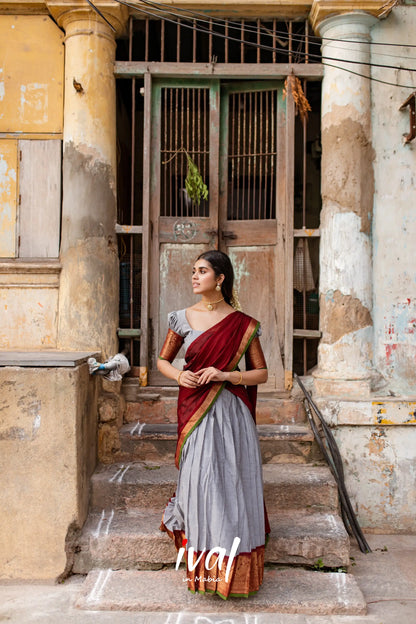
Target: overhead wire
(163, 12)
(282, 35)
(222, 21)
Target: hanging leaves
(302, 105)
(195, 186)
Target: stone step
(283, 591)
(157, 405)
(157, 443)
(131, 539)
(141, 485)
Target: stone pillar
(345, 352)
(88, 297)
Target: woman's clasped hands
(188, 379)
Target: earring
(218, 287)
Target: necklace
(211, 304)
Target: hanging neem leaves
(195, 187)
(194, 184)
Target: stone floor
(387, 578)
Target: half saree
(219, 493)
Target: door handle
(212, 233)
(228, 234)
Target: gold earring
(218, 287)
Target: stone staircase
(121, 537)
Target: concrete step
(157, 443)
(283, 591)
(132, 540)
(157, 405)
(141, 485)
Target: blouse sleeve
(255, 357)
(174, 339)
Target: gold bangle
(237, 383)
(179, 378)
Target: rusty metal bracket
(411, 103)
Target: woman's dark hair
(221, 264)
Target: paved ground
(387, 578)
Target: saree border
(216, 390)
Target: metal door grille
(184, 130)
(252, 155)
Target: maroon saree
(221, 346)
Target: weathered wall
(394, 230)
(47, 455)
(31, 114)
(377, 440)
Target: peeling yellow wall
(8, 196)
(31, 74)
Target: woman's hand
(205, 375)
(188, 379)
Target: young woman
(219, 495)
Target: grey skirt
(219, 494)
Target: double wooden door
(239, 136)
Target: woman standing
(219, 494)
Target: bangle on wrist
(179, 378)
(237, 383)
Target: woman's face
(204, 279)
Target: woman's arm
(183, 378)
(246, 378)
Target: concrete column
(88, 297)
(345, 353)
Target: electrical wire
(263, 46)
(272, 49)
(223, 21)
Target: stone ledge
(374, 411)
(46, 359)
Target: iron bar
(132, 189)
(238, 116)
(178, 41)
(257, 151)
(162, 41)
(274, 42)
(194, 43)
(249, 158)
(146, 40)
(226, 42)
(258, 41)
(290, 41)
(242, 42)
(304, 173)
(232, 156)
(333, 457)
(210, 42)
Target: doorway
(235, 132)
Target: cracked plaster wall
(394, 227)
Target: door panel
(252, 211)
(185, 116)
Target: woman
(219, 495)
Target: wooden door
(253, 207)
(185, 116)
(236, 134)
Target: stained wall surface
(394, 226)
(31, 125)
(47, 455)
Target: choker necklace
(210, 306)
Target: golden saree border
(245, 578)
(216, 390)
(255, 355)
(171, 346)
